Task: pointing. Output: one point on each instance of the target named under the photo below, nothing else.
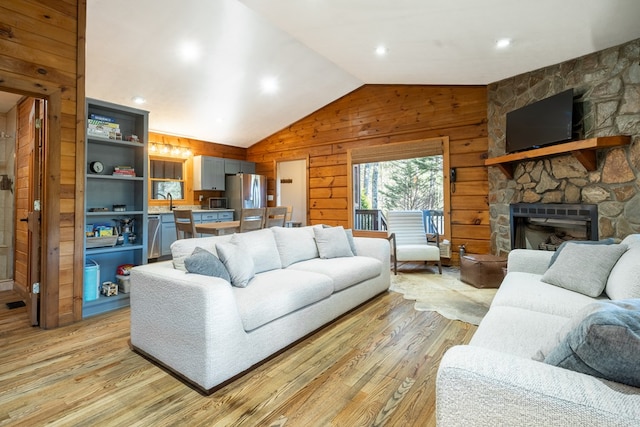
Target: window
(166, 176)
(437, 209)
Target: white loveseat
(208, 331)
(496, 381)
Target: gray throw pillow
(332, 242)
(584, 268)
(608, 241)
(605, 344)
(352, 243)
(239, 263)
(201, 261)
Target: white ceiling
(320, 50)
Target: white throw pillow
(624, 279)
(262, 248)
(584, 268)
(295, 244)
(332, 242)
(239, 263)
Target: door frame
(306, 185)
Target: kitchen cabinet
(208, 173)
(115, 198)
(232, 167)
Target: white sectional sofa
(510, 373)
(288, 283)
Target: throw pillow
(624, 279)
(234, 255)
(605, 344)
(352, 242)
(584, 268)
(262, 248)
(295, 244)
(555, 255)
(332, 242)
(204, 262)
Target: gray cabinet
(115, 199)
(167, 233)
(232, 167)
(208, 173)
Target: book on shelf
(124, 171)
(102, 118)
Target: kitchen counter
(153, 210)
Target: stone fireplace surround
(609, 85)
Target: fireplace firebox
(546, 225)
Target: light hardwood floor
(374, 367)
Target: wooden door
(29, 145)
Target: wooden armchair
(409, 240)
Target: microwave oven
(217, 203)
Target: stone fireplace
(545, 226)
(608, 84)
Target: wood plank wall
(42, 55)
(382, 114)
(197, 147)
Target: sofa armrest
(185, 321)
(480, 387)
(377, 248)
(529, 261)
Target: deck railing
(370, 219)
(374, 219)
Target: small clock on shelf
(96, 167)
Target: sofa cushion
(516, 331)
(344, 272)
(584, 268)
(604, 344)
(204, 262)
(632, 240)
(624, 279)
(525, 290)
(183, 248)
(235, 256)
(276, 293)
(261, 246)
(332, 242)
(295, 244)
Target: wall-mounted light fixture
(159, 149)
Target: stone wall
(609, 85)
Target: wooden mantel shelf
(584, 151)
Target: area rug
(445, 294)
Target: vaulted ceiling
(236, 71)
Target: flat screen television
(545, 122)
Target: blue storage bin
(91, 286)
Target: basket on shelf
(102, 241)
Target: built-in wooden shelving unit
(584, 151)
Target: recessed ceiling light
(503, 43)
(138, 100)
(189, 51)
(269, 85)
(381, 50)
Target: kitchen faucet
(170, 197)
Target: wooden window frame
(400, 151)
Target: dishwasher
(153, 242)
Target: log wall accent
(382, 114)
(42, 55)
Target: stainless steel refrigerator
(245, 191)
